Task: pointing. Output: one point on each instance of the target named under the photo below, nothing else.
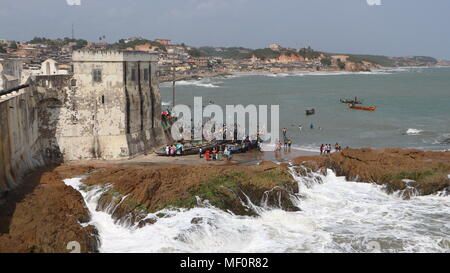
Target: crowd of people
(174, 150)
(215, 154)
(326, 148)
(286, 144)
(223, 151)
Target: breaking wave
(205, 83)
(303, 74)
(335, 216)
(413, 132)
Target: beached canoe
(365, 108)
(194, 148)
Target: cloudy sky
(389, 27)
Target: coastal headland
(44, 214)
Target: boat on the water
(310, 112)
(350, 101)
(359, 107)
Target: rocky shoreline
(193, 76)
(414, 171)
(135, 191)
(44, 214)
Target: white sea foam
(205, 83)
(279, 75)
(307, 148)
(346, 73)
(303, 74)
(199, 83)
(413, 132)
(336, 216)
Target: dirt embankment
(44, 215)
(395, 168)
(137, 190)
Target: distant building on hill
(165, 42)
(51, 67)
(146, 47)
(342, 58)
(275, 47)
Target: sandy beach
(286, 71)
(207, 74)
(245, 159)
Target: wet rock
(197, 220)
(44, 215)
(3, 195)
(146, 222)
(389, 167)
(231, 188)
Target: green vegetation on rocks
(121, 44)
(137, 191)
(325, 61)
(237, 53)
(309, 53)
(196, 53)
(266, 53)
(392, 61)
(57, 43)
(340, 64)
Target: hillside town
(41, 56)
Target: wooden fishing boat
(242, 148)
(310, 112)
(350, 101)
(192, 148)
(359, 107)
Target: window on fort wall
(97, 75)
(133, 75)
(146, 75)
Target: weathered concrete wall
(10, 73)
(20, 146)
(57, 113)
(145, 130)
(125, 105)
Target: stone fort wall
(111, 115)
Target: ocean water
(336, 216)
(413, 105)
